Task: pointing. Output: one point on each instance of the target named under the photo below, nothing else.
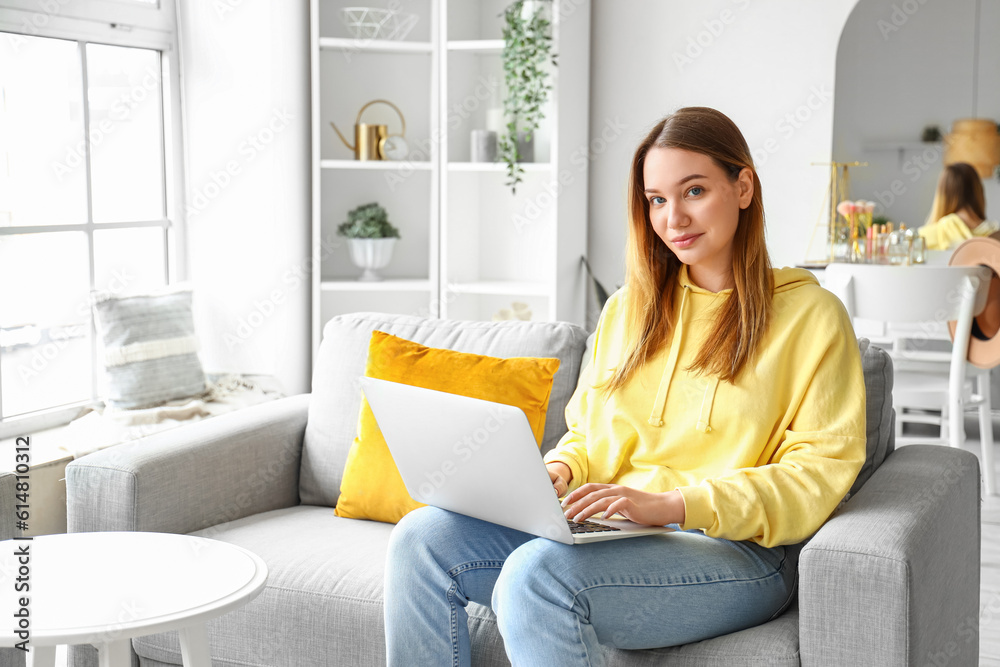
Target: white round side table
(106, 588)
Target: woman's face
(694, 208)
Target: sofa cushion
(881, 437)
(322, 606)
(336, 392)
(372, 487)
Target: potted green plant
(527, 50)
(370, 239)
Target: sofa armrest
(8, 499)
(893, 578)
(195, 476)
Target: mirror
(903, 65)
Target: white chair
(903, 307)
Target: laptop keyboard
(577, 527)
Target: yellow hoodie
(951, 230)
(768, 458)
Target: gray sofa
(891, 579)
(9, 657)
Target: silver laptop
(480, 459)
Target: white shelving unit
(469, 246)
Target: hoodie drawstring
(707, 400)
(656, 416)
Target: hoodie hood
(788, 279)
(784, 279)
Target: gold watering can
(373, 142)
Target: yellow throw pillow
(371, 487)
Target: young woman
(722, 398)
(959, 209)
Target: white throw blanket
(106, 427)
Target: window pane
(129, 260)
(43, 177)
(45, 345)
(125, 133)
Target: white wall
(245, 91)
(900, 70)
(761, 63)
(771, 66)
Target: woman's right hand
(561, 476)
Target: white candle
(494, 120)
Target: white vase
(370, 255)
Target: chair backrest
(921, 295)
(908, 293)
(926, 296)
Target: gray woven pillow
(150, 348)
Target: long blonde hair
(958, 187)
(652, 268)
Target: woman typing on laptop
(723, 397)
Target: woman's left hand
(650, 509)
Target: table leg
(195, 651)
(41, 656)
(115, 654)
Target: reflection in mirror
(903, 67)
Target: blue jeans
(556, 604)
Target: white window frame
(118, 23)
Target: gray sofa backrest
(879, 414)
(336, 393)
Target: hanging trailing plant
(527, 36)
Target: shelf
(373, 45)
(497, 166)
(471, 246)
(377, 165)
(901, 145)
(485, 46)
(388, 285)
(500, 287)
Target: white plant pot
(370, 255)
